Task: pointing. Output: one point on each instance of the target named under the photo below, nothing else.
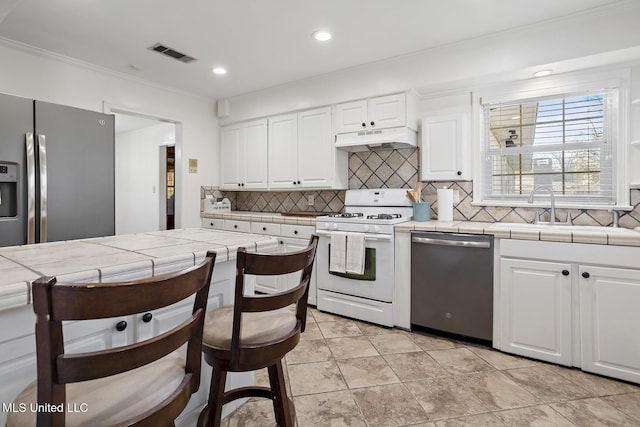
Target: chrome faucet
(615, 216)
(548, 189)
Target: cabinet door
(283, 151)
(536, 309)
(351, 116)
(387, 111)
(315, 148)
(254, 156)
(230, 155)
(442, 148)
(269, 284)
(609, 318)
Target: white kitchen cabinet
(580, 311)
(443, 146)
(283, 151)
(317, 167)
(243, 150)
(302, 154)
(382, 112)
(536, 309)
(609, 318)
(239, 226)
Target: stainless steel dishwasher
(452, 283)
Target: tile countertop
(550, 233)
(261, 217)
(88, 259)
(554, 233)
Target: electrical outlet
(310, 200)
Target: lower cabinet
(536, 309)
(609, 320)
(291, 238)
(583, 312)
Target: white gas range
(369, 215)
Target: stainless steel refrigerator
(57, 172)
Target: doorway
(170, 187)
(146, 191)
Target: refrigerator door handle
(42, 160)
(31, 188)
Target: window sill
(543, 205)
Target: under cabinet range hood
(377, 139)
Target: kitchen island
(105, 259)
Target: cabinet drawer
(298, 231)
(214, 223)
(265, 228)
(241, 226)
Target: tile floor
(350, 373)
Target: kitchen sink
(562, 227)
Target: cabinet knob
(235, 226)
(298, 182)
(242, 184)
(121, 326)
(565, 272)
(373, 123)
(146, 318)
(264, 228)
(211, 224)
(295, 231)
(294, 183)
(281, 242)
(459, 173)
(586, 275)
(239, 184)
(364, 125)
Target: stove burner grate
(347, 215)
(384, 216)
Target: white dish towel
(355, 253)
(338, 255)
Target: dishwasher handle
(447, 242)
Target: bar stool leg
(283, 407)
(211, 415)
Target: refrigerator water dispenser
(8, 190)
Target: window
(566, 142)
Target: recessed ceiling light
(542, 73)
(219, 70)
(322, 35)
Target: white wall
(27, 73)
(602, 37)
(138, 192)
(595, 39)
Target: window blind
(566, 142)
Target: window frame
(556, 87)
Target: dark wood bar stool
(257, 332)
(143, 384)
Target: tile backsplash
(399, 169)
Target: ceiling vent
(165, 50)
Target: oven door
(377, 281)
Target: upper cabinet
(382, 112)
(443, 154)
(243, 150)
(302, 154)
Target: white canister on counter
(445, 204)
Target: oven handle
(385, 237)
(442, 242)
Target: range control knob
(327, 226)
(334, 226)
(365, 228)
(376, 228)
